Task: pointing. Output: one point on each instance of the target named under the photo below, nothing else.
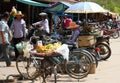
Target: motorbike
(109, 29)
(103, 44)
(112, 32)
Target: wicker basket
(87, 40)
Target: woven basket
(86, 40)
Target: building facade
(30, 12)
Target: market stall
(58, 10)
(86, 8)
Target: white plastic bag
(64, 51)
(27, 48)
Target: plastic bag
(64, 51)
(19, 47)
(27, 49)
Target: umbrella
(85, 7)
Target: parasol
(85, 7)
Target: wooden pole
(29, 15)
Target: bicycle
(31, 67)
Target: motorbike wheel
(105, 51)
(115, 35)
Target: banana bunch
(48, 48)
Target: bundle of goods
(47, 49)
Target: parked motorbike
(108, 29)
(112, 32)
(103, 44)
(103, 39)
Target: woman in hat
(75, 32)
(67, 21)
(18, 28)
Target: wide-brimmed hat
(43, 14)
(19, 13)
(73, 25)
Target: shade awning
(58, 7)
(33, 3)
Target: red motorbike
(112, 32)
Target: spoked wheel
(46, 70)
(115, 35)
(92, 55)
(27, 67)
(105, 51)
(79, 65)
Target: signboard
(6, 0)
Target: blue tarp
(58, 7)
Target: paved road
(107, 71)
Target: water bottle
(40, 42)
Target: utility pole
(106, 3)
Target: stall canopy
(58, 7)
(33, 3)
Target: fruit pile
(48, 48)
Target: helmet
(43, 14)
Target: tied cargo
(86, 40)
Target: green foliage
(112, 5)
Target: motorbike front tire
(115, 35)
(105, 51)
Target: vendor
(67, 21)
(75, 32)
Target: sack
(20, 47)
(64, 51)
(27, 48)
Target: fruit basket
(47, 54)
(46, 50)
(52, 50)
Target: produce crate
(86, 40)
